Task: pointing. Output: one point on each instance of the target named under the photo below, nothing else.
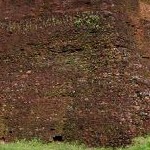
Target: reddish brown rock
(75, 70)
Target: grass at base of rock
(141, 143)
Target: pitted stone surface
(75, 69)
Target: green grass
(138, 144)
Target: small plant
(88, 21)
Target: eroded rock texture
(75, 70)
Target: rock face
(75, 70)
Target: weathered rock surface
(75, 70)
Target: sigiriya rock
(75, 70)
